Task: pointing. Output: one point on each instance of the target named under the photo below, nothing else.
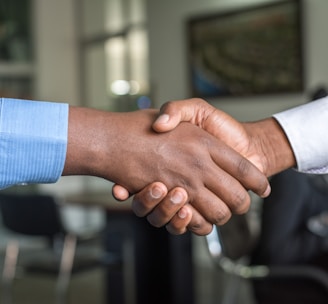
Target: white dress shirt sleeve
(306, 128)
(33, 141)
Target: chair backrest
(31, 214)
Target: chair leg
(65, 270)
(9, 271)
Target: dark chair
(38, 215)
(230, 248)
(286, 240)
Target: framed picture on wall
(253, 51)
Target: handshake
(189, 166)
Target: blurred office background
(124, 55)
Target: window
(114, 54)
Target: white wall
(56, 51)
(167, 48)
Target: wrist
(269, 140)
(85, 142)
(100, 144)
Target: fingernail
(163, 119)
(182, 213)
(156, 192)
(176, 198)
(267, 191)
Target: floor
(29, 288)
(88, 287)
(34, 289)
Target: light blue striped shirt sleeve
(33, 141)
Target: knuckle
(196, 225)
(154, 222)
(244, 167)
(240, 202)
(222, 216)
(200, 230)
(198, 164)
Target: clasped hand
(202, 179)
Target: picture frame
(247, 52)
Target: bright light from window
(124, 87)
(120, 87)
(134, 87)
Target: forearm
(269, 139)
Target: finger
(200, 113)
(223, 194)
(174, 112)
(211, 207)
(168, 207)
(189, 219)
(180, 221)
(198, 224)
(147, 199)
(240, 170)
(120, 193)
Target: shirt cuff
(306, 128)
(33, 141)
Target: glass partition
(16, 49)
(114, 54)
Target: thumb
(172, 113)
(165, 122)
